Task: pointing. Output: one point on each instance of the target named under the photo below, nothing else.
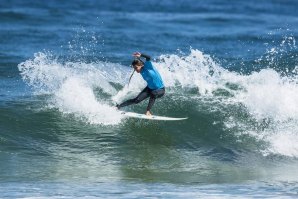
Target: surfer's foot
(148, 113)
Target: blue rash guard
(151, 76)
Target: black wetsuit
(146, 92)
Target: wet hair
(137, 62)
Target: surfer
(155, 87)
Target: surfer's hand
(136, 54)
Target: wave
(261, 105)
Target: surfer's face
(138, 67)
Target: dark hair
(137, 62)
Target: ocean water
(231, 67)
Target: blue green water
(231, 67)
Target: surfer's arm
(147, 57)
(137, 54)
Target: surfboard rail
(153, 117)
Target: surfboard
(153, 117)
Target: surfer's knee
(161, 94)
(158, 93)
(137, 100)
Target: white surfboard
(153, 117)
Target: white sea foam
(283, 140)
(72, 85)
(194, 70)
(76, 97)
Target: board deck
(154, 117)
